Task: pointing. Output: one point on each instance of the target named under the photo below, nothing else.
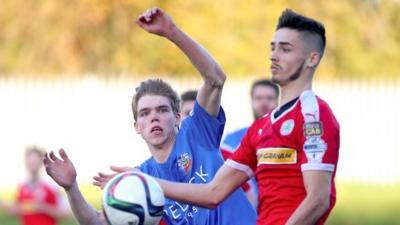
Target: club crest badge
(287, 127)
(185, 162)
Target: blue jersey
(232, 140)
(195, 158)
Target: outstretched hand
(61, 170)
(101, 179)
(156, 21)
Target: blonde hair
(155, 87)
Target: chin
(274, 77)
(276, 80)
(158, 141)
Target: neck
(161, 152)
(33, 178)
(294, 89)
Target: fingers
(148, 15)
(106, 176)
(99, 184)
(155, 10)
(53, 157)
(63, 155)
(97, 178)
(49, 158)
(46, 160)
(120, 169)
(101, 179)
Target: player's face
(187, 107)
(33, 162)
(156, 121)
(263, 100)
(288, 56)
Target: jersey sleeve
(320, 140)
(245, 158)
(204, 128)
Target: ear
(178, 118)
(136, 127)
(313, 59)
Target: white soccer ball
(133, 198)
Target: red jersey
(41, 192)
(226, 155)
(277, 150)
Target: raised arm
(63, 172)
(158, 22)
(208, 195)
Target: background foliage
(99, 36)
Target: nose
(274, 56)
(154, 117)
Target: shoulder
(314, 109)
(199, 112)
(324, 106)
(311, 103)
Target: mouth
(275, 68)
(156, 130)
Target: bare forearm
(207, 195)
(200, 58)
(309, 211)
(194, 194)
(83, 212)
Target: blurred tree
(99, 36)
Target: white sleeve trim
(318, 166)
(241, 167)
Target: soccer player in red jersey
(292, 151)
(38, 202)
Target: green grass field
(356, 204)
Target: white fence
(91, 118)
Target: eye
(143, 113)
(285, 50)
(164, 109)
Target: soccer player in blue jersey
(189, 153)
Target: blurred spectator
(37, 202)
(188, 98)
